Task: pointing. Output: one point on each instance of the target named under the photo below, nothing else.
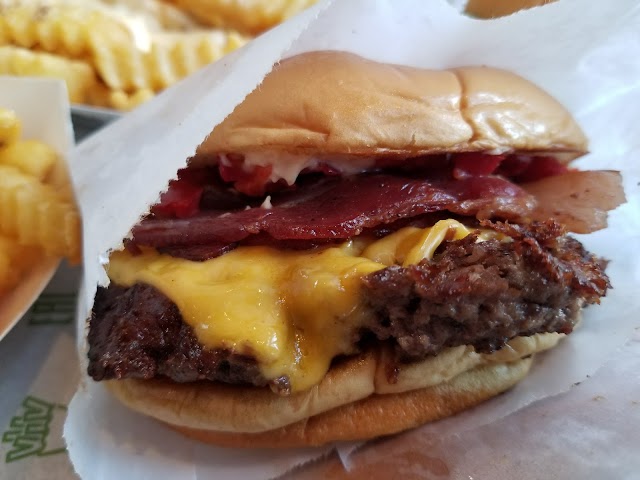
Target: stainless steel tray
(87, 120)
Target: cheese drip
(294, 311)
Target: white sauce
(267, 203)
(287, 166)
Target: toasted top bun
(231, 408)
(337, 103)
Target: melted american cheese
(294, 311)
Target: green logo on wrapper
(53, 309)
(27, 433)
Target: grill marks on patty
(480, 294)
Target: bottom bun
(373, 416)
(362, 381)
(380, 415)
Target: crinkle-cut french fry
(14, 261)
(98, 95)
(35, 214)
(7, 274)
(29, 156)
(156, 15)
(59, 179)
(121, 67)
(78, 75)
(250, 16)
(171, 57)
(4, 32)
(102, 96)
(19, 26)
(124, 101)
(174, 56)
(63, 28)
(10, 127)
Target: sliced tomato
(182, 198)
(252, 182)
(475, 163)
(541, 167)
(199, 176)
(514, 165)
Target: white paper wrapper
(42, 106)
(588, 432)
(587, 63)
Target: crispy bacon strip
(579, 200)
(341, 208)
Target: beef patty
(486, 293)
(138, 332)
(481, 294)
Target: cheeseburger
(358, 249)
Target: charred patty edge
(471, 293)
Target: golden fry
(124, 101)
(29, 156)
(175, 56)
(109, 52)
(4, 33)
(7, 274)
(66, 29)
(15, 260)
(36, 214)
(155, 15)
(121, 67)
(78, 75)
(171, 57)
(250, 16)
(98, 95)
(18, 27)
(102, 96)
(10, 127)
